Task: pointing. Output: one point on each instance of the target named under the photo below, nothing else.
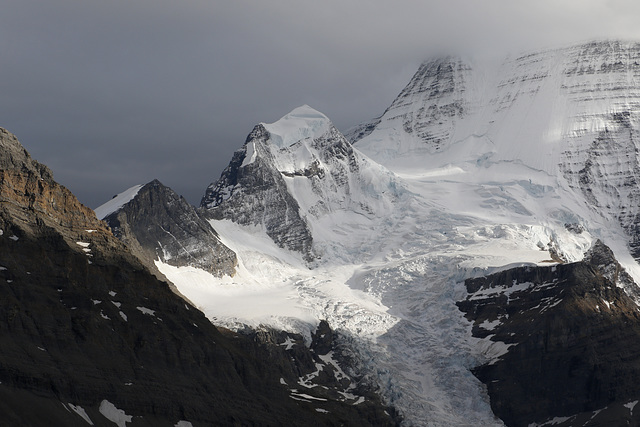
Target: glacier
(476, 167)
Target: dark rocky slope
(574, 343)
(85, 327)
(159, 224)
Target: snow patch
(490, 325)
(306, 396)
(117, 202)
(113, 414)
(80, 411)
(145, 310)
(288, 344)
(631, 405)
(493, 350)
(250, 156)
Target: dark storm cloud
(112, 94)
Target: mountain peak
(117, 202)
(13, 156)
(301, 123)
(158, 224)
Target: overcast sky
(114, 93)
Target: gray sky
(114, 93)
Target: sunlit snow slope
(474, 168)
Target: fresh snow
(117, 202)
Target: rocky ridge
(158, 224)
(561, 342)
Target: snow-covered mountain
(478, 167)
(562, 121)
(301, 181)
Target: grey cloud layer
(112, 94)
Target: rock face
(563, 342)
(255, 193)
(89, 335)
(158, 224)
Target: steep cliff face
(252, 191)
(89, 335)
(562, 342)
(157, 224)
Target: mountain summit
(299, 179)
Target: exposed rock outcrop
(255, 193)
(563, 342)
(158, 224)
